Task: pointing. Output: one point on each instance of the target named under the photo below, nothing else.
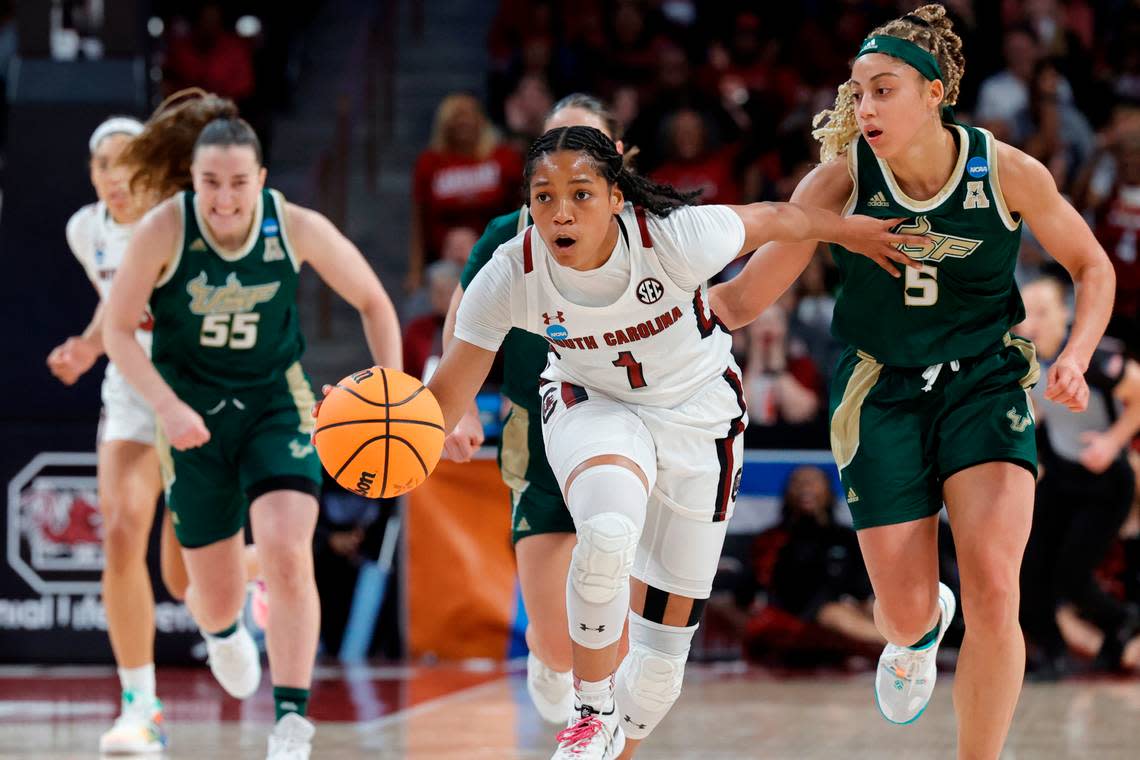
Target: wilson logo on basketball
(364, 485)
(649, 290)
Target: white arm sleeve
(695, 242)
(491, 305)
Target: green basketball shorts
(537, 501)
(259, 442)
(898, 433)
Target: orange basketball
(379, 432)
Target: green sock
(286, 699)
(930, 636)
(225, 633)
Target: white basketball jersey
(99, 242)
(656, 345)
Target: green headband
(905, 51)
(910, 53)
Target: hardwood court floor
(440, 713)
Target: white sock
(140, 680)
(595, 694)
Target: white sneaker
(593, 736)
(235, 662)
(552, 692)
(291, 738)
(905, 678)
(138, 730)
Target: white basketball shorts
(125, 416)
(692, 456)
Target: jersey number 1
(921, 286)
(632, 369)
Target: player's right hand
(465, 439)
(70, 359)
(873, 238)
(183, 427)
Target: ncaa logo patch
(557, 332)
(270, 228)
(977, 167)
(649, 290)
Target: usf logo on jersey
(938, 245)
(231, 298)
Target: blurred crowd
(719, 97)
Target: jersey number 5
(238, 331)
(632, 369)
(921, 286)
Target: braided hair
(656, 198)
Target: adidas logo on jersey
(523, 526)
(852, 497)
(878, 200)
(198, 245)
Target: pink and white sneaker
(594, 736)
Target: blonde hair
(929, 28)
(159, 157)
(488, 137)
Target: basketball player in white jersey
(128, 471)
(642, 408)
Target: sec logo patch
(650, 290)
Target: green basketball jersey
(524, 353)
(964, 299)
(228, 318)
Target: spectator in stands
(1052, 130)
(694, 163)
(819, 595)
(819, 574)
(1005, 94)
(464, 178)
(457, 245)
(525, 110)
(423, 337)
(1084, 494)
(1110, 189)
(781, 382)
(673, 89)
(348, 534)
(210, 56)
(811, 317)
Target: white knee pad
(608, 504)
(649, 679)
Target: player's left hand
(874, 239)
(1067, 384)
(1099, 451)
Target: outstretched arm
(775, 266)
(342, 266)
(1030, 191)
(149, 251)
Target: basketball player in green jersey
(219, 265)
(929, 402)
(541, 527)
